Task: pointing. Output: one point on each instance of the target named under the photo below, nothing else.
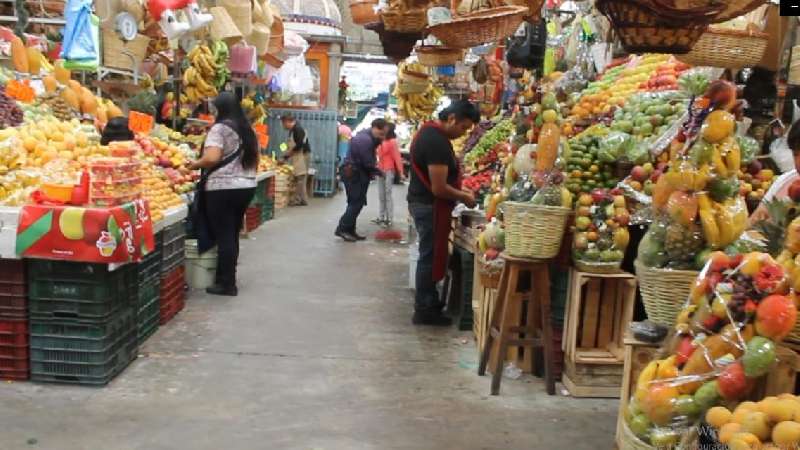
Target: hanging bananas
(416, 99)
(199, 78)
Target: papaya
(547, 152)
(661, 192)
(50, 83)
(88, 105)
(712, 348)
(34, 60)
(71, 98)
(19, 55)
(62, 75)
(101, 114)
(113, 111)
(75, 86)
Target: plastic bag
(80, 42)
(601, 228)
(637, 152)
(724, 339)
(615, 144)
(552, 191)
(295, 76)
(749, 148)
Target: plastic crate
(173, 298)
(252, 218)
(149, 267)
(149, 291)
(173, 232)
(173, 254)
(148, 329)
(147, 320)
(18, 375)
(71, 368)
(12, 271)
(13, 307)
(13, 352)
(83, 282)
(13, 365)
(69, 335)
(14, 333)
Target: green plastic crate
(70, 335)
(75, 372)
(83, 282)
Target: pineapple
(777, 228)
(682, 242)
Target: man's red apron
(442, 211)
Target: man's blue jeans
(426, 299)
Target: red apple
(639, 174)
(794, 191)
(598, 195)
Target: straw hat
(241, 13)
(276, 32)
(223, 27)
(259, 37)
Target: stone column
(334, 67)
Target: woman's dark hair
(793, 138)
(116, 130)
(230, 111)
(390, 134)
(379, 124)
(462, 109)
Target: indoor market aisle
(317, 352)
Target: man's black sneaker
(432, 319)
(358, 236)
(346, 236)
(220, 290)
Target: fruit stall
(97, 249)
(632, 168)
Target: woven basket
(721, 47)
(436, 55)
(119, 54)
(276, 36)
(363, 11)
(534, 231)
(733, 8)
(643, 27)
(664, 291)
(490, 274)
(410, 21)
(259, 37)
(488, 25)
(241, 13)
(629, 441)
(222, 27)
(597, 267)
(534, 7)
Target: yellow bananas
(198, 79)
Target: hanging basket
(241, 13)
(363, 11)
(436, 55)
(664, 291)
(534, 231)
(259, 37)
(731, 49)
(534, 8)
(732, 9)
(408, 21)
(481, 27)
(222, 27)
(644, 27)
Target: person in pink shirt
(390, 163)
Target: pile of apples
(643, 177)
(172, 159)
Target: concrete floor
(317, 352)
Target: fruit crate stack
(82, 321)
(252, 218)
(13, 321)
(283, 190)
(268, 208)
(149, 289)
(172, 286)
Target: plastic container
(200, 269)
(58, 192)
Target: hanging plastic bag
(296, 76)
(79, 41)
(480, 72)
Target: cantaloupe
(34, 60)
(62, 75)
(19, 55)
(50, 83)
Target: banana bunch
(723, 222)
(664, 369)
(146, 82)
(254, 111)
(726, 157)
(199, 78)
(419, 106)
(687, 178)
(221, 55)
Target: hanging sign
(140, 122)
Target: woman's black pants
(225, 212)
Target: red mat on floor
(388, 235)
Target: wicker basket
(534, 7)
(733, 8)
(488, 25)
(721, 47)
(597, 267)
(259, 37)
(643, 28)
(222, 27)
(629, 441)
(119, 54)
(664, 291)
(490, 273)
(534, 231)
(363, 11)
(241, 13)
(410, 21)
(436, 55)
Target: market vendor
(434, 189)
(227, 185)
(116, 130)
(299, 156)
(780, 188)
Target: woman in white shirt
(780, 187)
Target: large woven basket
(721, 47)
(363, 11)
(643, 27)
(241, 13)
(664, 291)
(733, 8)
(534, 231)
(481, 27)
(222, 27)
(436, 55)
(119, 54)
(409, 21)
(629, 441)
(534, 7)
(597, 267)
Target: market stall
(616, 148)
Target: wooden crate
(592, 380)
(637, 355)
(599, 309)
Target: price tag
(20, 91)
(206, 117)
(140, 122)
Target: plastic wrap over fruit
(614, 146)
(525, 159)
(601, 228)
(672, 241)
(552, 191)
(724, 340)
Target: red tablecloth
(118, 234)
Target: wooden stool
(511, 334)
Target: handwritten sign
(20, 91)
(140, 122)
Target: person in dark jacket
(358, 169)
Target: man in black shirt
(434, 189)
(299, 156)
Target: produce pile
(601, 227)
(770, 424)
(207, 71)
(725, 338)
(485, 151)
(417, 96)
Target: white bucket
(200, 269)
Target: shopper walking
(390, 164)
(358, 170)
(299, 156)
(434, 189)
(228, 161)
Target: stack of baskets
(534, 231)
(410, 82)
(406, 16)
(664, 291)
(794, 66)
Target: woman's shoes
(382, 222)
(221, 290)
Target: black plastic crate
(70, 335)
(147, 320)
(173, 254)
(149, 267)
(77, 372)
(13, 306)
(148, 291)
(173, 233)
